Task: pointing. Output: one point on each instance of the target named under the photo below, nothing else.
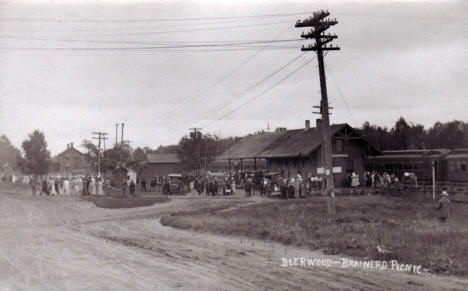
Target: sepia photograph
(233, 145)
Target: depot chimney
(307, 124)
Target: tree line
(408, 136)
(196, 150)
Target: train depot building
(299, 151)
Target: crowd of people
(227, 183)
(69, 185)
(274, 185)
(292, 187)
(379, 179)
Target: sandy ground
(63, 243)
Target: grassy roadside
(16, 188)
(407, 228)
(115, 202)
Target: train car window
(451, 166)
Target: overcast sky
(70, 69)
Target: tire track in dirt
(69, 244)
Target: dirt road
(63, 243)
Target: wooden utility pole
(116, 134)
(197, 130)
(433, 180)
(121, 137)
(100, 136)
(320, 25)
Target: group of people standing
(379, 179)
(213, 186)
(69, 185)
(292, 187)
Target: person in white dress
(233, 186)
(66, 187)
(354, 180)
(99, 186)
(92, 186)
(53, 191)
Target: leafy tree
(375, 135)
(400, 135)
(36, 156)
(8, 153)
(197, 151)
(404, 135)
(451, 135)
(139, 155)
(170, 149)
(109, 158)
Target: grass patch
(115, 202)
(15, 188)
(407, 227)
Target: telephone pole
(100, 136)
(121, 138)
(116, 134)
(319, 25)
(197, 130)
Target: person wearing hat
(443, 207)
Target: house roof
(162, 159)
(69, 149)
(249, 146)
(289, 143)
(297, 142)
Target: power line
(189, 30)
(103, 29)
(247, 90)
(263, 80)
(230, 73)
(225, 77)
(208, 112)
(341, 94)
(154, 43)
(260, 94)
(153, 47)
(19, 19)
(153, 19)
(403, 16)
(249, 48)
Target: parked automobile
(175, 183)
